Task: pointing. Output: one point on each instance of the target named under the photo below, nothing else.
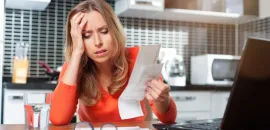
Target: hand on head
(77, 25)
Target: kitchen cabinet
(192, 105)
(13, 105)
(197, 105)
(264, 10)
(219, 102)
(156, 10)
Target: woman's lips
(101, 52)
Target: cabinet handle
(144, 2)
(15, 97)
(184, 98)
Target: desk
(144, 124)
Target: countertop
(30, 86)
(52, 86)
(201, 88)
(144, 124)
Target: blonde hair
(88, 90)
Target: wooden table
(145, 124)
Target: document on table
(123, 128)
(112, 128)
(145, 69)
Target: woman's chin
(102, 60)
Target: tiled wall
(45, 32)
(258, 28)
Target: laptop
(248, 107)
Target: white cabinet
(264, 10)
(27, 4)
(219, 102)
(13, 108)
(13, 112)
(192, 105)
(197, 105)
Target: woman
(97, 70)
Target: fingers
(72, 20)
(153, 96)
(76, 20)
(82, 24)
(157, 91)
(149, 97)
(158, 86)
(77, 23)
(79, 19)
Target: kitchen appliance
(213, 69)
(54, 74)
(173, 71)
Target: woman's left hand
(157, 91)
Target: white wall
(264, 9)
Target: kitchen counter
(30, 86)
(201, 88)
(52, 86)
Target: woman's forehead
(94, 20)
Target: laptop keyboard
(215, 125)
(203, 126)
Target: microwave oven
(213, 69)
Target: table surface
(144, 124)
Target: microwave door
(224, 69)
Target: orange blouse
(64, 103)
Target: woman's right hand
(77, 25)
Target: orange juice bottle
(20, 64)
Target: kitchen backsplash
(45, 31)
(258, 28)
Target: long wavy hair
(88, 90)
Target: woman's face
(97, 38)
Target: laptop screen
(249, 103)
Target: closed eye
(104, 31)
(86, 35)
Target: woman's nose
(98, 41)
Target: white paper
(144, 69)
(118, 128)
(129, 108)
(149, 72)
